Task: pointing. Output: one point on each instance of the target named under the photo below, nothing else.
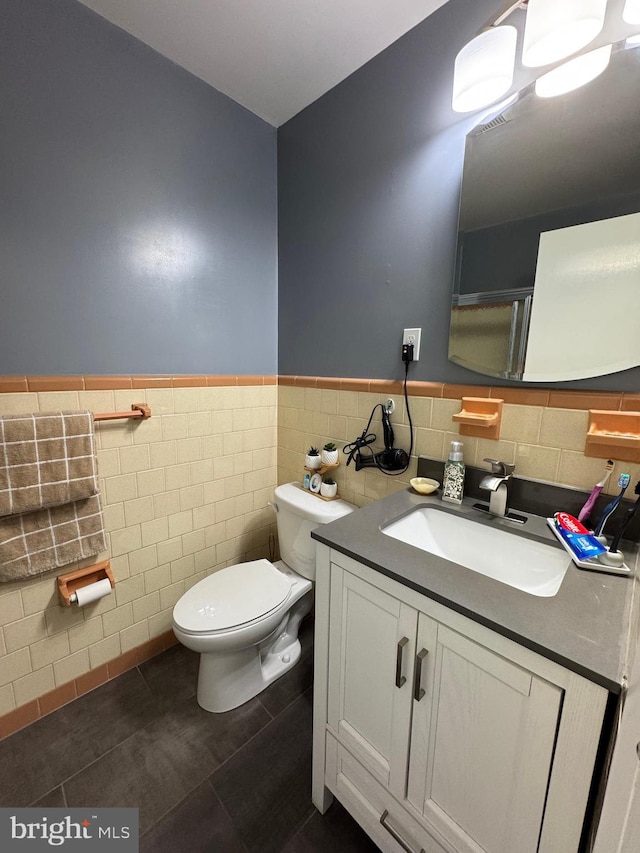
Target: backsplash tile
(564, 428)
(539, 462)
(543, 430)
(521, 423)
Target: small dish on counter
(424, 485)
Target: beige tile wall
(545, 443)
(184, 493)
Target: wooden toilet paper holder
(71, 581)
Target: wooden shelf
(336, 497)
(480, 416)
(613, 435)
(323, 470)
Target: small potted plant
(328, 488)
(329, 454)
(312, 459)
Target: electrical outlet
(412, 336)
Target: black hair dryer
(389, 459)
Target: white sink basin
(526, 564)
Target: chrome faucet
(496, 483)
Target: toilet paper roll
(91, 592)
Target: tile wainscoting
(184, 493)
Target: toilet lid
(232, 597)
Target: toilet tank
(298, 512)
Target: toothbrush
(623, 482)
(626, 520)
(586, 509)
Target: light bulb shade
(484, 69)
(555, 29)
(573, 74)
(631, 13)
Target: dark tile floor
(238, 782)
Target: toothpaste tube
(575, 534)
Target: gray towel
(35, 542)
(46, 459)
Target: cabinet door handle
(395, 834)
(418, 691)
(400, 679)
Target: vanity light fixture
(483, 69)
(553, 31)
(574, 73)
(631, 13)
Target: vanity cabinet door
(482, 744)
(371, 650)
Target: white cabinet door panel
(369, 700)
(480, 766)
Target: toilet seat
(232, 597)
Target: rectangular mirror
(547, 282)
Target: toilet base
(227, 682)
(229, 679)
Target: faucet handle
(501, 469)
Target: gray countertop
(587, 626)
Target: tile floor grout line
(293, 835)
(147, 685)
(224, 809)
(174, 807)
(31, 805)
(282, 710)
(305, 822)
(300, 828)
(255, 735)
(265, 707)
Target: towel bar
(138, 410)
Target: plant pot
(313, 462)
(329, 457)
(329, 490)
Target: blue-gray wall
(369, 184)
(138, 207)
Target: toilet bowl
(244, 619)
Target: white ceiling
(274, 57)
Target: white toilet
(244, 619)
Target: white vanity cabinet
(438, 734)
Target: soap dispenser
(453, 485)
